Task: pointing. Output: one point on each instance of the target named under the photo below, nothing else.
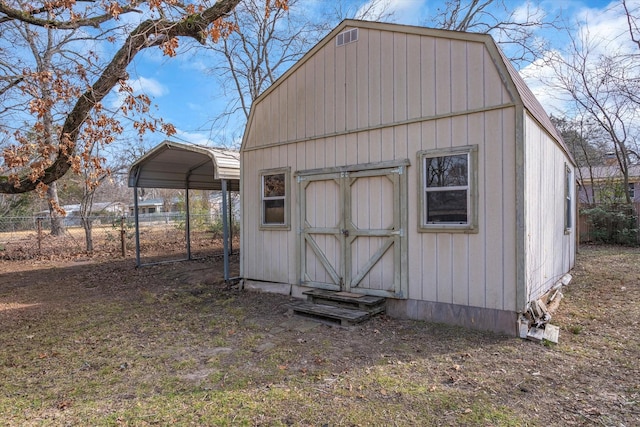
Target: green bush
(612, 224)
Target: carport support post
(135, 216)
(187, 222)
(225, 231)
(230, 207)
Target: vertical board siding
(374, 69)
(340, 105)
(319, 94)
(361, 75)
(461, 258)
(493, 86)
(413, 78)
(300, 97)
(428, 81)
(291, 107)
(493, 197)
(382, 79)
(362, 148)
(444, 267)
(509, 220)
(547, 246)
(477, 242)
(459, 89)
(350, 84)
(330, 79)
(310, 114)
(475, 76)
(375, 145)
(399, 61)
(386, 77)
(443, 76)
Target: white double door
(352, 230)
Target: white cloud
(148, 86)
(606, 28)
(140, 85)
(192, 137)
(603, 30)
(528, 12)
(402, 11)
(541, 79)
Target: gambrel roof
(517, 88)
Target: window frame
(568, 199)
(471, 226)
(286, 171)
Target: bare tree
(602, 82)
(587, 143)
(514, 29)
(31, 165)
(44, 47)
(264, 46)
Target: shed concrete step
(371, 304)
(330, 313)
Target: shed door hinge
(398, 232)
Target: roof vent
(348, 36)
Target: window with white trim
(448, 189)
(274, 190)
(568, 197)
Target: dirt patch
(104, 343)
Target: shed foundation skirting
(272, 287)
(500, 321)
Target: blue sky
(187, 96)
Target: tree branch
(145, 35)
(31, 19)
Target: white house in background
(408, 163)
(72, 212)
(97, 209)
(176, 204)
(605, 183)
(150, 206)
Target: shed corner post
(225, 231)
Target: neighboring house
(408, 163)
(99, 208)
(175, 205)
(72, 212)
(605, 184)
(150, 206)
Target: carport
(172, 165)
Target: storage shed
(408, 163)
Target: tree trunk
(57, 220)
(88, 236)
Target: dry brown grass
(92, 343)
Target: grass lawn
(102, 343)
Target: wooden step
(330, 313)
(371, 304)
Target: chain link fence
(162, 237)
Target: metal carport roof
(179, 166)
